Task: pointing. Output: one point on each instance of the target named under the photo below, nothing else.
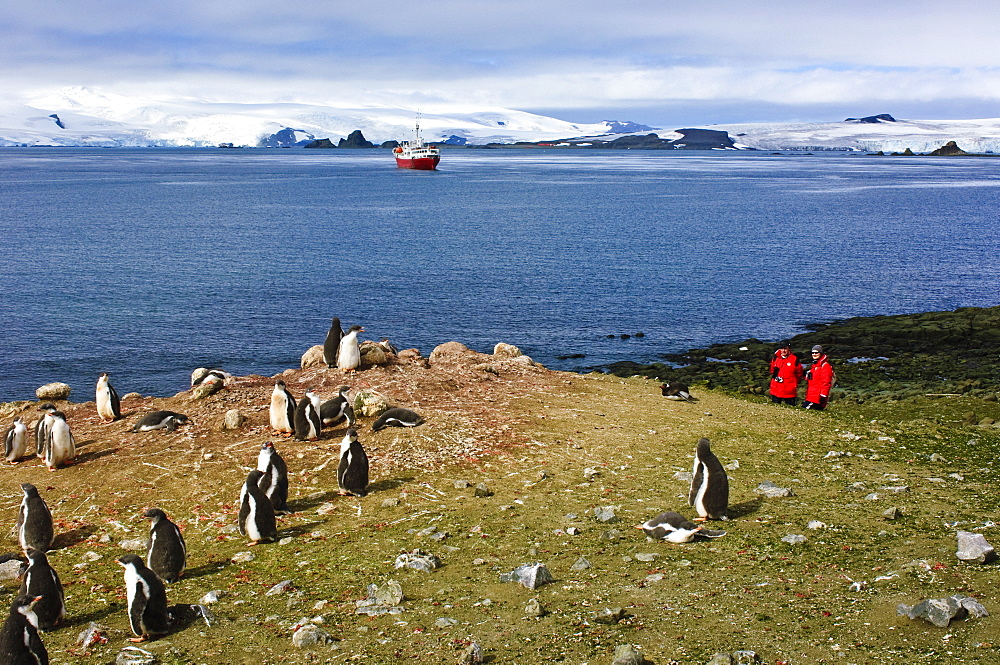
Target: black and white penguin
(60, 445)
(109, 406)
(42, 426)
(709, 485)
(256, 520)
(397, 417)
(388, 346)
(20, 643)
(34, 521)
(166, 554)
(147, 599)
(282, 411)
(352, 472)
(675, 528)
(41, 579)
(331, 346)
(334, 410)
(274, 477)
(307, 420)
(678, 392)
(349, 356)
(15, 441)
(168, 420)
(203, 375)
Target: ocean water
(149, 263)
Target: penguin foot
(137, 640)
(699, 519)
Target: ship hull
(418, 163)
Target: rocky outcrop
(321, 143)
(355, 140)
(52, 392)
(949, 149)
(872, 119)
(313, 357)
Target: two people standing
(787, 372)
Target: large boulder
(52, 392)
(313, 358)
(372, 354)
(456, 352)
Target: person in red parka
(819, 380)
(786, 372)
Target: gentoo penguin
(168, 420)
(41, 579)
(709, 485)
(42, 426)
(147, 599)
(109, 407)
(256, 512)
(307, 421)
(274, 477)
(352, 472)
(166, 554)
(20, 643)
(388, 346)
(60, 445)
(15, 441)
(349, 356)
(397, 417)
(331, 346)
(34, 521)
(334, 410)
(282, 410)
(677, 391)
(675, 528)
(201, 375)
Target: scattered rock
(973, 547)
(211, 597)
(608, 615)
(935, 457)
(310, 635)
(482, 490)
(135, 656)
(530, 575)
(794, 539)
(462, 484)
(590, 473)
(93, 634)
(445, 622)
(233, 420)
(13, 569)
(243, 557)
(606, 514)
(646, 557)
(53, 392)
(418, 560)
(580, 564)
(721, 659)
(472, 655)
(534, 609)
(769, 490)
(627, 654)
(133, 545)
(942, 611)
(815, 524)
(313, 358)
(280, 587)
(386, 599)
(390, 503)
(892, 513)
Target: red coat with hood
(785, 375)
(819, 381)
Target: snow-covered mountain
(85, 117)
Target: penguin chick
(281, 413)
(15, 441)
(256, 519)
(331, 345)
(41, 580)
(34, 521)
(109, 406)
(397, 417)
(167, 553)
(147, 599)
(274, 477)
(334, 410)
(307, 419)
(352, 472)
(60, 444)
(20, 642)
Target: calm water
(149, 263)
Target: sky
(658, 62)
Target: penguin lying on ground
(709, 485)
(147, 599)
(352, 472)
(677, 391)
(332, 411)
(34, 521)
(109, 406)
(256, 520)
(675, 528)
(397, 417)
(331, 345)
(281, 413)
(41, 579)
(15, 441)
(20, 642)
(60, 444)
(201, 375)
(274, 477)
(307, 420)
(167, 553)
(168, 420)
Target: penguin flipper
(137, 609)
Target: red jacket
(785, 375)
(819, 381)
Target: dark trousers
(783, 400)
(817, 406)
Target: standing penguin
(60, 446)
(147, 599)
(334, 410)
(20, 643)
(274, 477)
(331, 346)
(15, 441)
(109, 407)
(41, 579)
(349, 356)
(256, 512)
(167, 554)
(352, 472)
(282, 412)
(709, 485)
(307, 421)
(397, 417)
(34, 521)
(42, 426)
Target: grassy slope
(746, 590)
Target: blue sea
(147, 263)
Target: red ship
(416, 154)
